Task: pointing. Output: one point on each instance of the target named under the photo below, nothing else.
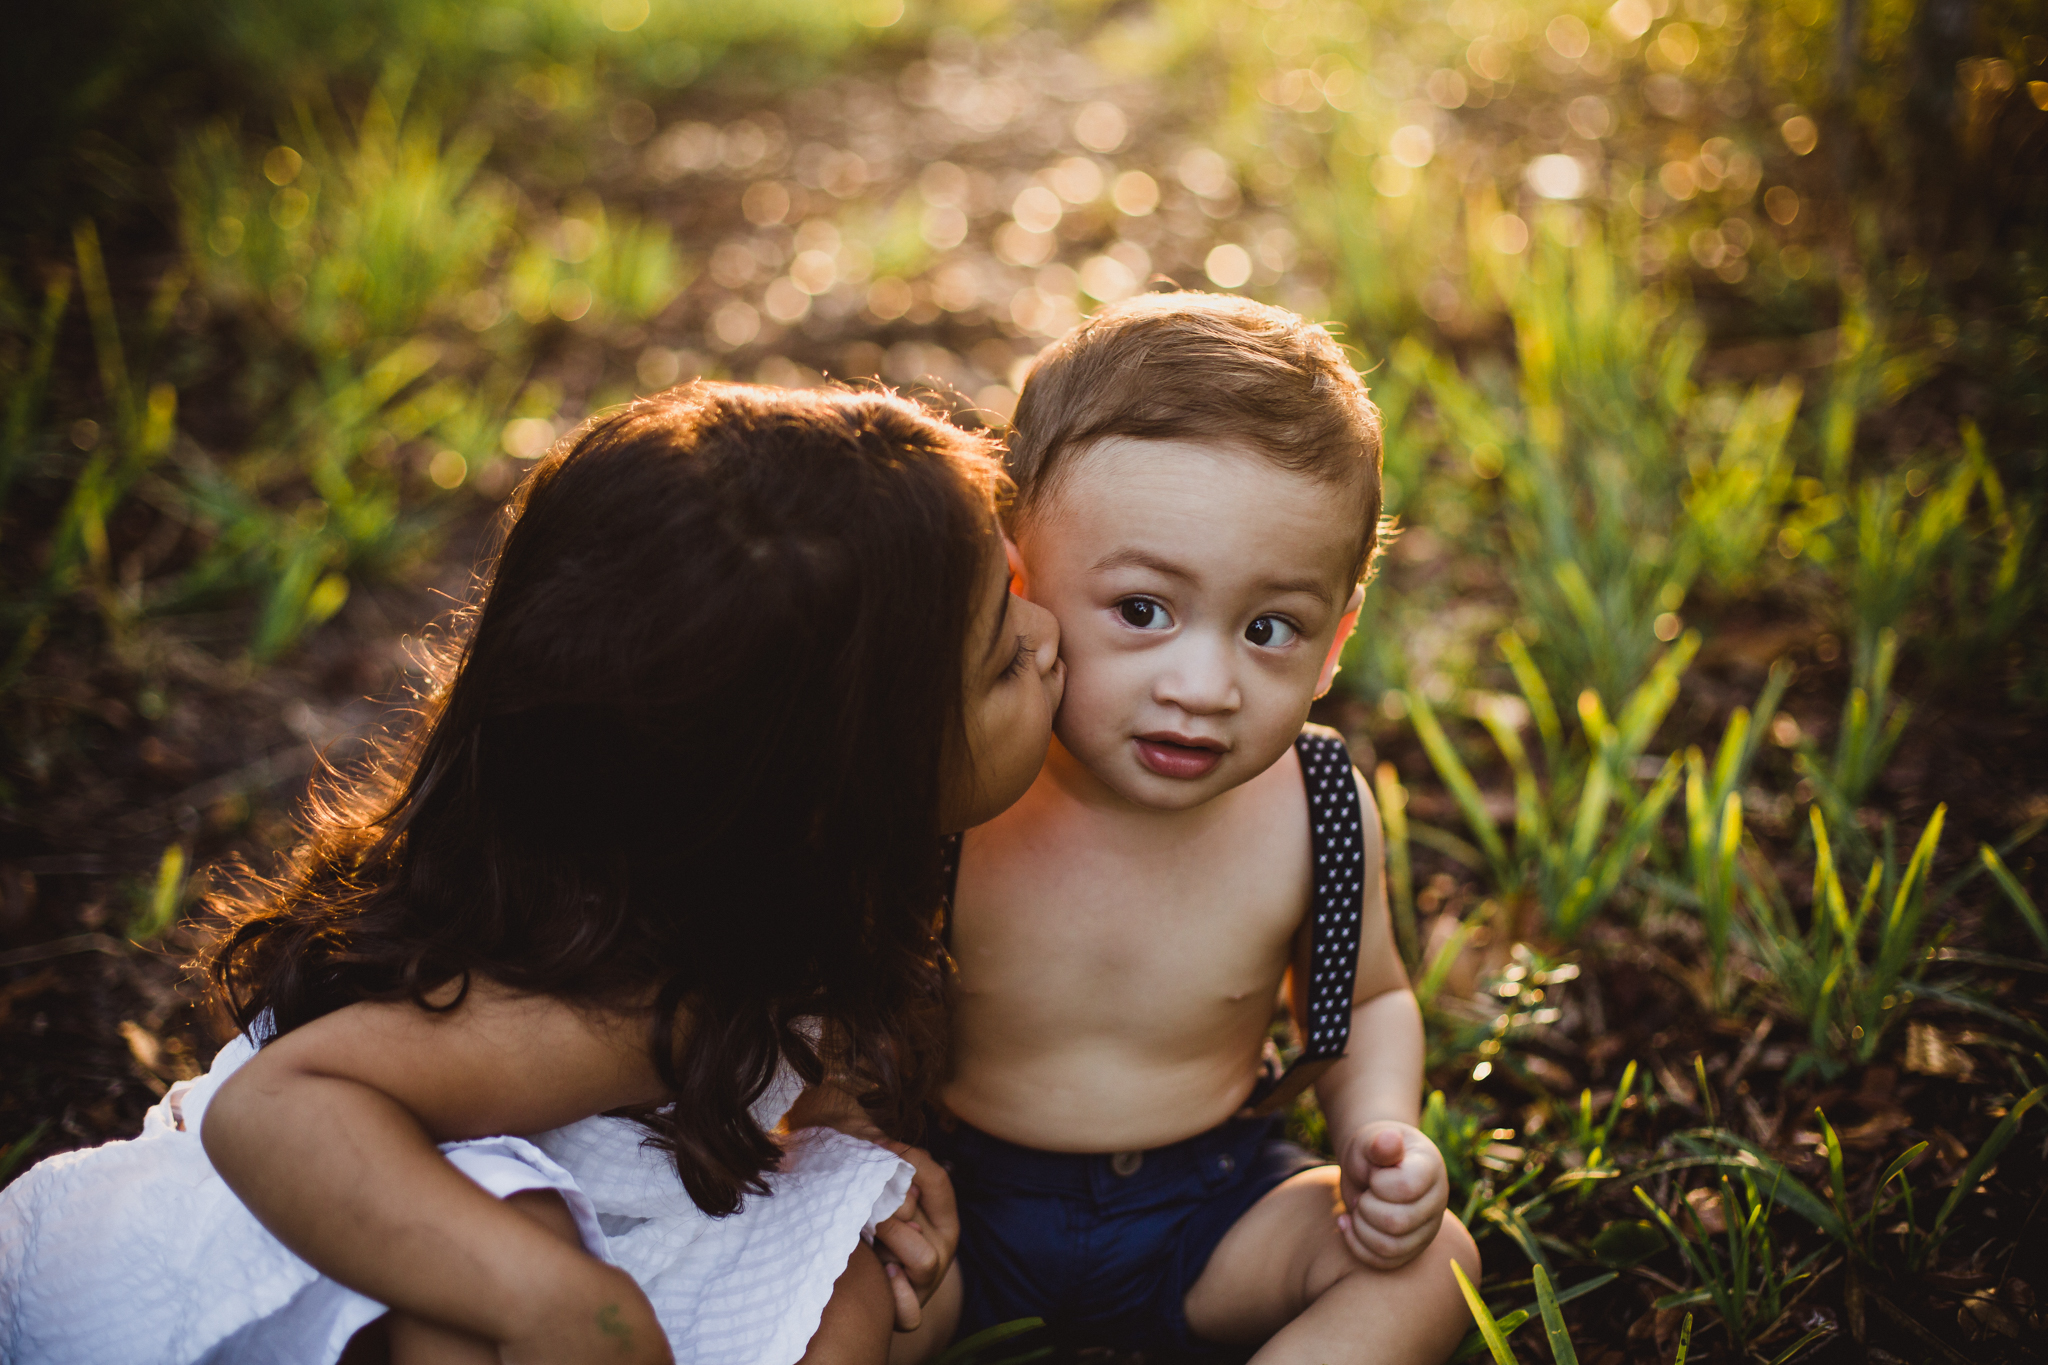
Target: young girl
(664, 843)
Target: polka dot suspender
(1336, 832)
(1336, 840)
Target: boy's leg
(1283, 1276)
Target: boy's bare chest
(1063, 910)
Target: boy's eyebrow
(1310, 586)
(1133, 558)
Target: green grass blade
(25, 402)
(1916, 866)
(1791, 1191)
(1684, 1341)
(106, 331)
(1647, 706)
(1696, 830)
(1732, 754)
(1837, 1184)
(1899, 1164)
(1697, 1258)
(1489, 1330)
(1535, 691)
(1634, 837)
(1621, 1094)
(1592, 816)
(963, 1351)
(1827, 883)
(1450, 845)
(2015, 893)
(1458, 778)
(1474, 1344)
(1438, 969)
(1785, 1356)
(1975, 870)
(1766, 710)
(160, 910)
(12, 1154)
(2007, 1129)
(1971, 1002)
(1532, 827)
(1562, 1351)
(1393, 803)
(1511, 1221)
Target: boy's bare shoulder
(1368, 808)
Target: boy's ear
(1346, 623)
(1016, 561)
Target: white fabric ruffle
(137, 1253)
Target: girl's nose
(1042, 628)
(1198, 677)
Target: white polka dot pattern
(1337, 843)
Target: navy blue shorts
(1104, 1248)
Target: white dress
(137, 1253)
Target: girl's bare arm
(328, 1135)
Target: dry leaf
(147, 1050)
(1873, 1131)
(1706, 1206)
(1930, 1052)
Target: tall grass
(1582, 825)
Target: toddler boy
(1198, 505)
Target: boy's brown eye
(1270, 630)
(1141, 612)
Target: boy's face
(1198, 589)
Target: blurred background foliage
(1712, 338)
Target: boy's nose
(1198, 678)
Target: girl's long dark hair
(686, 747)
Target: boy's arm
(1380, 1075)
(1394, 1181)
(328, 1135)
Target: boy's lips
(1172, 755)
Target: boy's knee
(1429, 1271)
(1456, 1242)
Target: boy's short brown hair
(1201, 367)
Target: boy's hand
(1395, 1189)
(917, 1242)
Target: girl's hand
(917, 1242)
(1396, 1190)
